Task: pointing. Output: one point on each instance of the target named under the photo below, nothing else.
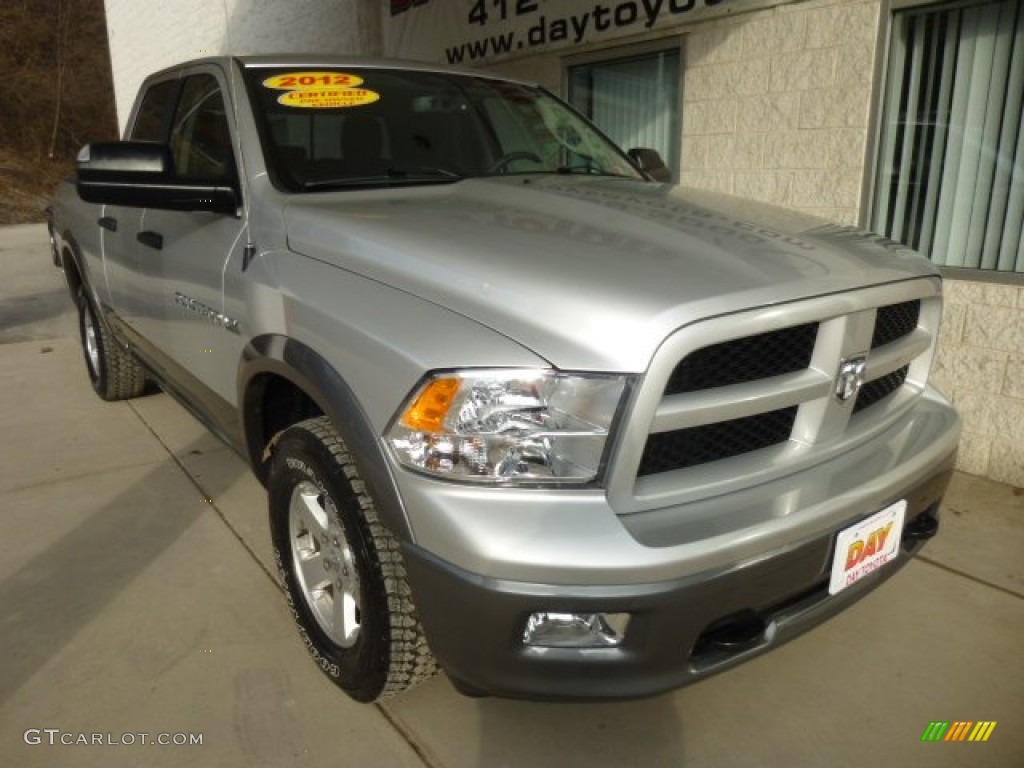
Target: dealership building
(901, 116)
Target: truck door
(123, 288)
(184, 254)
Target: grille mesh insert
(710, 442)
(748, 359)
(880, 388)
(894, 322)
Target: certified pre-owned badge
(850, 378)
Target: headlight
(517, 426)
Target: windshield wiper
(390, 176)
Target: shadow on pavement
(53, 596)
(19, 314)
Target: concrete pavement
(137, 596)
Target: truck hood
(588, 273)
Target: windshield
(333, 128)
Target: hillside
(57, 94)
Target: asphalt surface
(137, 597)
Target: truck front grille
(775, 391)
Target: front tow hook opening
(922, 527)
(731, 635)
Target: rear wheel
(341, 568)
(113, 372)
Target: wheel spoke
(314, 574)
(311, 512)
(346, 612)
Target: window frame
(179, 76)
(231, 175)
(876, 118)
(169, 108)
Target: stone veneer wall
(980, 365)
(776, 105)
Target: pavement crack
(407, 736)
(969, 577)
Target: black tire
(332, 551)
(113, 372)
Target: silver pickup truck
(522, 411)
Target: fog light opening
(576, 630)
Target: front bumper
(483, 560)
(474, 624)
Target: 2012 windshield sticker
(297, 81)
(321, 90)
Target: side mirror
(140, 174)
(650, 162)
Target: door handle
(108, 222)
(151, 239)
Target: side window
(200, 137)
(151, 121)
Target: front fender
(302, 366)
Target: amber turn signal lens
(427, 412)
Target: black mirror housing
(140, 174)
(649, 161)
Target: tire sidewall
(54, 252)
(360, 670)
(97, 378)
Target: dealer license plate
(865, 547)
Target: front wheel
(342, 570)
(113, 372)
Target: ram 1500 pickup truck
(522, 412)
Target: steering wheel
(502, 162)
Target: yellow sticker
(328, 98)
(296, 81)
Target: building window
(635, 100)
(950, 177)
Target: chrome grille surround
(823, 427)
